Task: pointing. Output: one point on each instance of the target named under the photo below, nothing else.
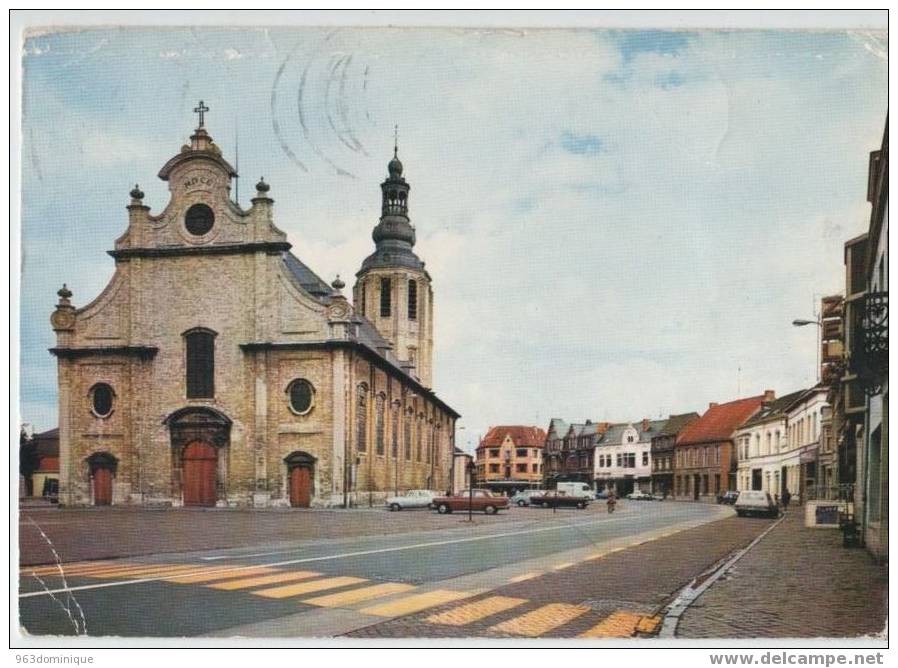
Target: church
(217, 369)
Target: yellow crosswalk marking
(358, 595)
(471, 612)
(561, 567)
(525, 576)
(542, 620)
(648, 624)
(211, 574)
(595, 555)
(307, 587)
(415, 603)
(69, 569)
(620, 624)
(246, 583)
(139, 571)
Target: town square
(383, 334)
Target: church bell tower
(392, 288)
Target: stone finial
(64, 295)
(338, 283)
(262, 187)
(63, 317)
(136, 194)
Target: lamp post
(471, 467)
(803, 323)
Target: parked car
(552, 498)
(728, 498)
(414, 498)
(482, 500)
(601, 494)
(639, 495)
(659, 497)
(756, 503)
(523, 497)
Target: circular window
(199, 219)
(300, 393)
(101, 396)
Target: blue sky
(618, 224)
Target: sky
(618, 224)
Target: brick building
(216, 368)
(662, 452)
(705, 460)
(569, 454)
(510, 458)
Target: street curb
(689, 594)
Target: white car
(414, 498)
(756, 503)
(639, 495)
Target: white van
(578, 489)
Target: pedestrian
(786, 498)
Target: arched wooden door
(300, 486)
(102, 487)
(200, 464)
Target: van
(577, 489)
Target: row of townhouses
(765, 442)
(827, 446)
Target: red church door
(300, 486)
(200, 464)
(102, 487)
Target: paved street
(821, 590)
(523, 574)
(386, 575)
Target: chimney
(645, 424)
(713, 404)
(769, 396)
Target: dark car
(551, 499)
(728, 498)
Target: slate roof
(560, 426)
(47, 443)
(676, 423)
(523, 436)
(774, 409)
(364, 331)
(719, 422)
(308, 279)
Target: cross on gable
(201, 110)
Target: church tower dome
(392, 288)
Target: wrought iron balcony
(870, 354)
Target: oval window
(300, 392)
(199, 219)
(101, 396)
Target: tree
(29, 461)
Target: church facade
(217, 369)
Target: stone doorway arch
(200, 446)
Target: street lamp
(802, 323)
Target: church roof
(308, 279)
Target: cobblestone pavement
(796, 582)
(106, 533)
(613, 596)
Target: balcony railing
(869, 355)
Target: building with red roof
(510, 458)
(705, 461)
